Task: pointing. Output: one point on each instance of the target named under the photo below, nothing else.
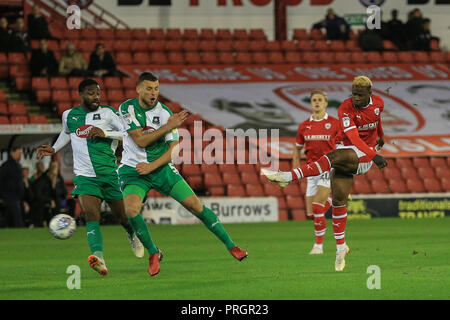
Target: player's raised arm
(63, 139)
(145, 139)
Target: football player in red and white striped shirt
(316, 136)
(360, 136)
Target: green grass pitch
(413, 257)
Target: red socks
(312, 168)
(320, 223)
(339, 222)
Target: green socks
(129, 229)
(95, 238)
(210, 220)
(141, 230)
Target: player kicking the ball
(147, 165)
(94, 131)
(356, 151)
(317, 136)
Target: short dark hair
(147, 76)
(86, 82)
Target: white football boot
(339, 265)
(316, 250)
(279, 177)
(136, 245)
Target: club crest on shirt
(377, 111)
(346, 121)
(97, 117)
(327, 126)
(127, 118)
(156, 120)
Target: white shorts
(312, 183)
(363, 167)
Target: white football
(62, 226)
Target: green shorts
(166, 180)
(105, 187)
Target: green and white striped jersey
(92, 157)
(135, 117)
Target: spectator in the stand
(413, 27)
(5, 35)
(19, 41)
(72, 63)
(28, 196)
(397, 30)
(101, 62)
(337, 28)
(52, 192)
(43, 61)
(371, 40)
(424, 38)
(12, 188)
(37, 24)
(40, 169)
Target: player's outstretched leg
(184, 195)
(133, 204)
(118, 208)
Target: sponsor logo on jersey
(317, 137)
(368, 126)
(82, 131)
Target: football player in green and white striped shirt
(147, 166)
(94, 131)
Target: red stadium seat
(425, 172)
(240, 45)
(305, 45)
(358, 57)
(227, 167)
(43, 96)
(352, 46)
(292, 189)
(295, 202)
(59, 83)
(389, 45)
(19, 70)
(240, 34)
(226, 58)
(122, 45)
(342, 57)
(236, 191)
(337, 45)
(421, 162)
(217, 191)
(87, 45)
(403, 162)
(374, 173)
(190, 34)
(74, 82)
(209, 168)
(254, 190)
(317, 34)
(3, 109)
(260, 58)
(445, 184)
(139, 34)
(379, 186)
(176, 58)
(361, 185)
(389, 57)
(310, 57)
(3, 97)
(18, 119)
(213, 179)
(115, 95)
(273, 46)
(409, 172)
(17, 58)
(61, 96)
(288, 45)
(326, 57)
(156, 34)
(192, 58)
(442, 172)
(123, 34)
(37, 119)
(397, 185)
(174, 34)
(257, 34)
(392, 173)
(158, 58)
(173, 45)
(415, 185)
(300, 34)
(39, 83)
(209, 58)
(125, 57)
(4, 120)
(432, 185)
(250, 177)
(320, 45)
(282, 204)
(374, 57)
(190, 45)
(113, 83)
(293, 57)
(207, 45)
(89, 33)
(207, 34)
(405, 57)
(421, 57)
(224, 46)
(273, 190)
(17, 109)
(231, 178)
(246, 168)
(437, 57)
(195, 182)
(224, 34)
(434, 45)
(72, 34)
(283, 215)
(298, 214)
(257, 45)
(106, 34)
(243, 58)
